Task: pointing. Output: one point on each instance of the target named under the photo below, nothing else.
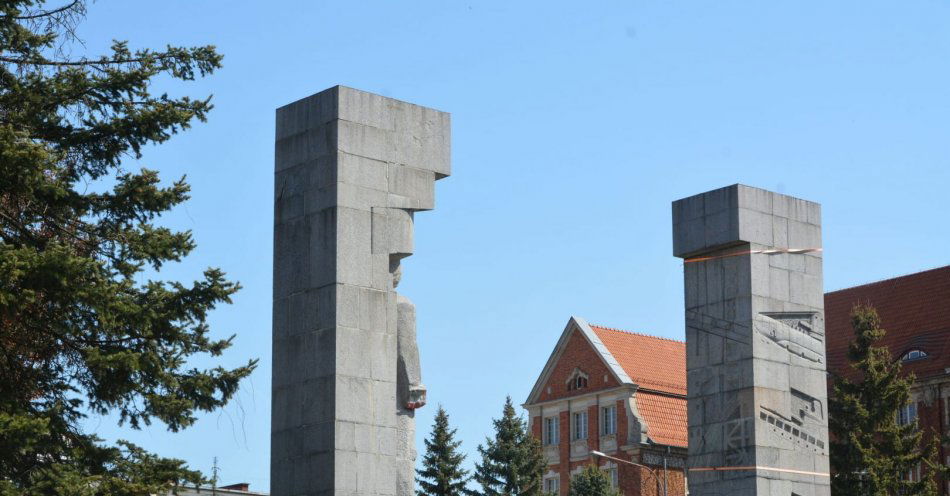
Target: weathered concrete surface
(351, 169)
(755, 343)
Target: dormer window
(915, 354)
(577, 380)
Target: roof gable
(586, 346)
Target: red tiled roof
(658, 367)
(665, 417)
(914, 310)
(653, 363)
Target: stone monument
(757, 401)
(351, 170)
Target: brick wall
(564, 450)
(593, 427)
(622, 426)
(932, 420)
(577, 354)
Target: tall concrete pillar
(351, 169)
(755, 343)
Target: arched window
(577, 380)
(914, 354)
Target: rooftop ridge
(891, 279)
(606, 328)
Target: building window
(612, 473)
(912, 475)
(907, 414)
(551, 430)
(912, 355)
(580, 425)
(610, 420)
(552, 485)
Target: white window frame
(907, 414)
(609, 420)
(914, 354)
(614, 475)
(552, 485)
(579, 426)
(551, 430)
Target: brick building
(915, 312)
(239, 489)
(619, 393)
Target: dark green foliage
(442, 473)
(512, 463)
(82, 329)
(592, 482)
(869, 449)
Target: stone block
(363, 172)
(756, 199)
(411, 188)
(802, 235)
(720, 200)
(304, 147)
(368, 109)
(354, 399)
(425, 142)
(373, 310)
(778, 283)
(755, 227)
(392, 232)
(307, 113)
(366, 141)
(359, 198)
(719, 228)
(353, 247)
(313, 352)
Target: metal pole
(628, 462)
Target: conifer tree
(592, 481)
(512, 463)
(83, 327)
(442, 473)
(871, 453)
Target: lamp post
(599, 454)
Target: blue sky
(575, 124)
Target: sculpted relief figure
(411, 391)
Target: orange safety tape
(773, 251)
(757, 467)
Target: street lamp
(599, 454)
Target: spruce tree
(442, 473)
(86, 323)
(592, 481)
(512, 463)
(871, 453)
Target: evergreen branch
(43, 13)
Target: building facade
(915, 311)
(618, 393)
(239, 489)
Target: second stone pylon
(755, 343)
